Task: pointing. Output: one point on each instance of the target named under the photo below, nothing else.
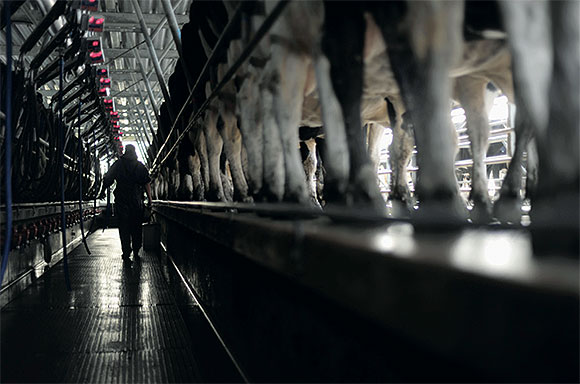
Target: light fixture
(96, 24)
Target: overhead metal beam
(177, 39)
(154, 58)
(142, 146)
(112, 52)
(170, 53)
(120, 19)
(149, 139)
(157, 29)
(147, 84)
(130, 93)
(147, 114)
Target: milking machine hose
(8, 144)
(81, 181)
(96, 169)
(62, 212)
(108, 210)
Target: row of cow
(345, 65)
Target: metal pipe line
(147, 84)
(154, 33)
(147, 115)
(260, 33)
(154, 58)
(142, 127)
(126, 88)
(176, 39)
(55, 12)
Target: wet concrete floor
(119, 323)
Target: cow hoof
(297, 197)
(400, 209)
(508, 210)
(364, 190)
(334, 192)
(315, 203)
(481, 213)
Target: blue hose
(8, 143)
(62, 212)
(81, 182)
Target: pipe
(72, 84)
(126, 88)
(8, 144)
(81, 182)
(144, 129)
(157, 29)
(108, 210)
(141, 143)
(96, 173)
(147, 84)
(55, 12)
(154, 58)
(62, 212)
(147, 115)
(50, 47)
(142, 126)
(172, 21)
(70, 64)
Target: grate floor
(120, 323)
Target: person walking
(131, 177)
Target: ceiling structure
(123, 43)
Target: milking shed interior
(251, 276)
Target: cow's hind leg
(310, 160)
(556, 205)
(400, 154)
(423, 40)
(374, 135)
(214, 142)
(194, 165)
(291, 69)
(471, 94)
(248, 104)
(273, 159)
(342, 44)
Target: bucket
(151, 237)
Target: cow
(544, 39)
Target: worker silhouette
(131, 176)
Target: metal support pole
(165, 52)
(146, 113)
(139, 140)
(172, 21)
(157, 29)
(62, 147)
(154, 58)
(142, 126)
(147, 84)
(138, 134)
(143, 144)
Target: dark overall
(131, 176)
